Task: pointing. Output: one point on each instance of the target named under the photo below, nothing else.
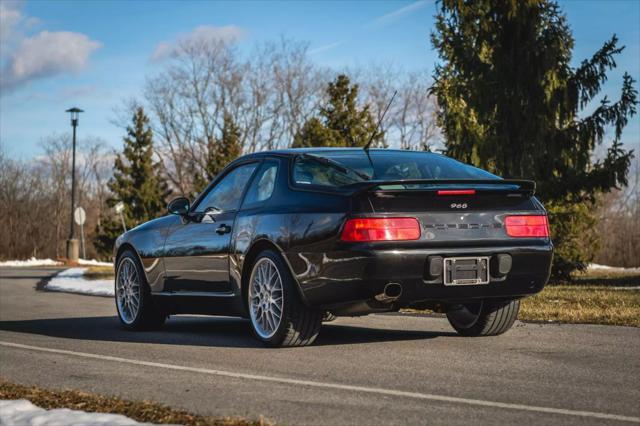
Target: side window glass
(227, 193)
(263, 184)
(307, 172)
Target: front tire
(134, 302)
(485, 318)
(278, 316)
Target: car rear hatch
(450, 212)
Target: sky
(95, 54)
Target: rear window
(384, 165)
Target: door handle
(223, 229)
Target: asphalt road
(380, 369)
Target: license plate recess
(466, 270)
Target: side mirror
(179, 206)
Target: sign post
(80, 216)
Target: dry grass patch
(606, 278)
(142, 411)
(583, 304)
(99, 273)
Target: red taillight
(456, 192)
(381, 229)
(527, 226)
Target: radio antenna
(373, 135)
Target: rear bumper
(340, 278)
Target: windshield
(384, 165)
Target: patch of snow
(596, 267)
(72, 280)
(93, 262)
(23, 412)
(50, 262)
(30, 262)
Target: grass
(99, 273)
(593, 297)
(583, 304)
(142, 411)
(606, 278)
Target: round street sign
(79, 215)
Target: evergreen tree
(136, 182)
(510, 102)
(220, 152)
(341, 122)
(230, 146)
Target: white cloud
(13, 24)
(10, 17)
(203, 34)
(389, 18)
(326, 47)
(47, 54)
(27, 57)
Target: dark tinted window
(310, 172)
(387, 165)
(263, 184)
(227, 193)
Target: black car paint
(304, 225)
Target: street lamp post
(72, 242)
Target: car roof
(287, 152)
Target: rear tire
(271, 291)
(134, 302)
(485, 318)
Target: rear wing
(512, 186)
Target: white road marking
(329, 385)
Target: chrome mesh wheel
(266, 298)
(128, 290)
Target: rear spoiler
(527, 187)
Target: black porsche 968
(292, 238)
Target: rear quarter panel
(302, 224)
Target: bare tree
(56, 168)
(414, 117)
(619, 224)
(298, 85)
(23, 209)
(410, 122)
(270, 94)
(35, 197)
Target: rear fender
(259, 246)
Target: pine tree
(314, 133)
(230, 146)
(220, 152)
(136, 182)
(510, 102)
(341, 122)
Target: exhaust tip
(393, 290)
(391, 293)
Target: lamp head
(75, 112)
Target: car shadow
(200, 331)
